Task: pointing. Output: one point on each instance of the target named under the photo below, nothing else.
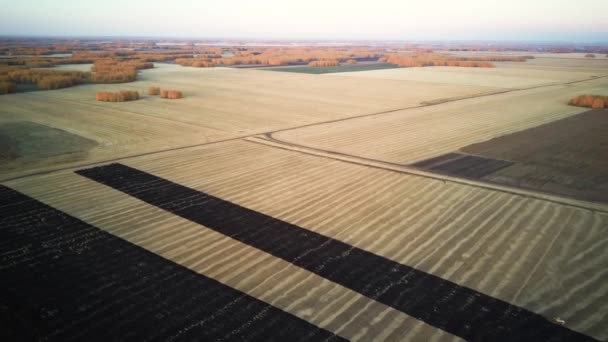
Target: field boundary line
(268, 140)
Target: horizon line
(335, 40)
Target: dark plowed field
(64, 280)
(463, 165)
(567, 157)
(456, 309)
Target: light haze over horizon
(515, 20)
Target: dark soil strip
(471, 166)
(429, 163)
(62, 279)
(438, 302)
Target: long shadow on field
(448, 306)
(65, 280)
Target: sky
(505, 20)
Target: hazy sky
(556, 20)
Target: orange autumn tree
(153, 91)
(47, 79)
(171, 94)
(280, 56)
(121, 96)
(590, 101)
(599, 103)
(324, 63)
(111, 70)
(435, 59)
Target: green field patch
(32, 141)
(336, 69)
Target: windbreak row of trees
(332, 57)
(282, 56)
(121, 96)
(104, 70)
(43, 79)
(113, 70)
(590, 101)
(130, 95)
(436, 59)
(324, 63)
(171, 94)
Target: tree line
(590, 101)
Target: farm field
(543, 161)
(337, 69)
(503, 245)
(291, 206)
(408, 136)
(219, 104)
(517, 75)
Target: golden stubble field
(224, 103)
(412, 135)
(543, 255)
(220, 104)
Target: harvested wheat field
(539, 71)
(220, 103)
(364, 206)
(497, 249)
(411, 135)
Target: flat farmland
(516, 75)
(412, 135)
(565, 66)
(284, 206)
(219, 104)
(565, 156)
(538, 255)
(336, 69)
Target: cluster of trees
(57, 82)
(324, 63)
(436, 59)
(196, 62)
(37, 50)
(117, 70)
(46, 79)
(147, 56)
(129, 95)
(121, 96)
(171, 94)
(105, 70)
(492, 58)
(590, 101)
(423, 60)
(281, 56)
(165, 94)
(29, 62)
(590, 55)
